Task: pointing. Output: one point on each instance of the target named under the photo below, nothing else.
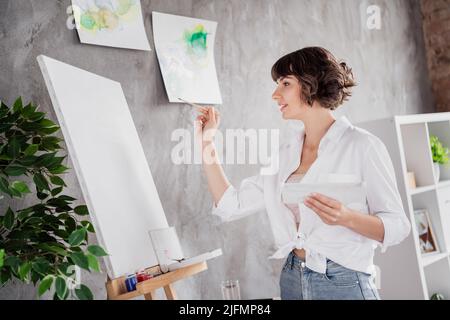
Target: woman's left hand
(331, 211)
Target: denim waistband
(293, 259)
(295, 262)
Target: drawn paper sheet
(185, 49)
(113, 23)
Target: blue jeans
(298, 282)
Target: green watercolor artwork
(196, 41)
(185, 50)
(99, 17)
(116, 23)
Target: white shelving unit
(404, 272)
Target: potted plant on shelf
(46, 242)
(439, 153)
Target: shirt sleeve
(239, 203)
(383, 197)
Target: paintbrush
(198, 106)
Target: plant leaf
(36, 116)
(5, 275)
(2, 257)
(5, 127)
(46, 123)
(42, 195)
(13, 147)
(71, 224)
(41, 182)
(31, 149)
(55, 191)
(97, 250)
(57, 181)
(5, 157)
(52, 248)
(88, 225)
(35, 277)
(84, 293)
(49, 130)
(81, 210)
(40, 265)
(62, 233)
(27, 161)
(13, 262)
(24, 269)
(66, 198)
(80, 260)
(33, 221)
(60, 287)
(44, 160)
(15, 170)
(45, 284)
(58, 169)
(28, 110)
(93, 262)
(14, 192)
(17, 105)
(4, 185)
(77, 237)
(24, 213)
(21, 187)
(8, 220)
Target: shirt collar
(332, 136)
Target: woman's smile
(282, 107)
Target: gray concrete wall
(389, 65)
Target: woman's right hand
(207, 123)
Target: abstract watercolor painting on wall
(113, 23)
(185, 49)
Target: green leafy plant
(42, 243)
(439, 152)
(437, 296)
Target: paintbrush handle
(197, 105)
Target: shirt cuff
(225, 203)
(395, 230)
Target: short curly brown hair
(322, 77)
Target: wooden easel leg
(170, 292)
(150, 296)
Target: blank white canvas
(189, 72)
(113, 23)
(110, 164)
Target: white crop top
(294, 178)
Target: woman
(329, 245)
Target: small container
(230, 290)
(130, 282)
(411, 180)
(142, 276)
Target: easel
(116, 289)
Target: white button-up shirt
(345, 151)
